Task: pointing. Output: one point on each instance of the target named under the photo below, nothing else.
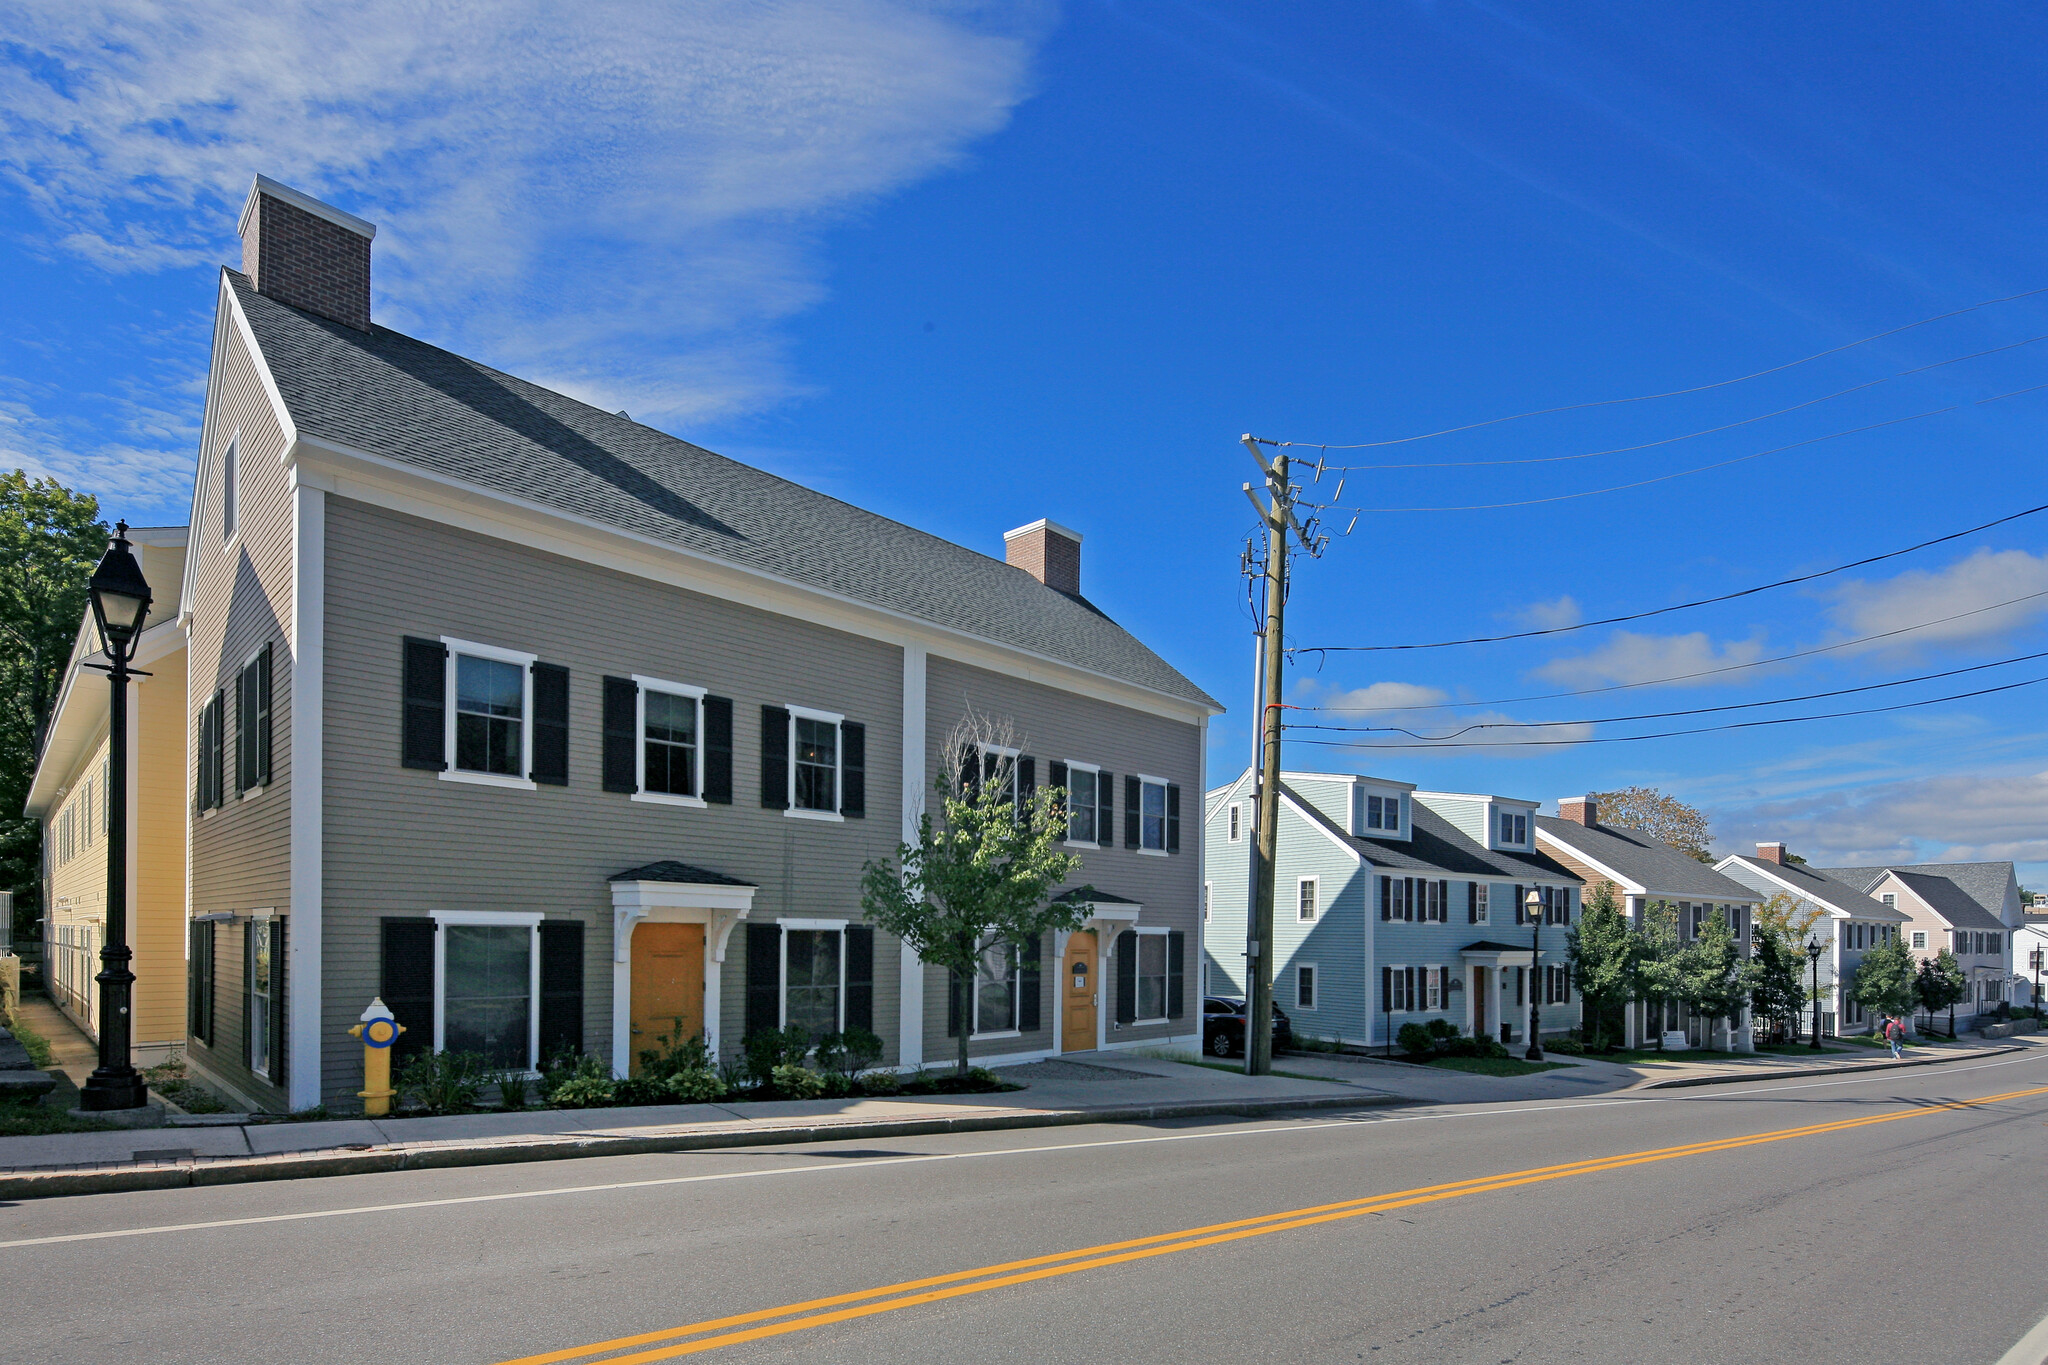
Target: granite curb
(1793, 1073)
(309, 1165)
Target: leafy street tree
(1710, 979)
(1662, 817)
(1604, 952)
(979, 881)
(1884, 981)
(1940, 985)
(1783, 923)
(50, 538)
(1659, 965)
(1777, 984)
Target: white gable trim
(1315, 823)
(1793, 889)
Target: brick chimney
(1771, 853)
(1049, 552)
(310, 255)
(1580, 810)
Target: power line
(1669, 715)
(1674, 393)
(1323, 468)
(1682, 677)
(1672, 734)
(1678, 606)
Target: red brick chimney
(1771, 853)
(1049, 552)
(310, 255)
(1580, 810)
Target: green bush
(880, 1083)
(695, 1087)
(676, 1054)
(640, 1090)
(849, 1053)
(794, 1081)
(558, 1071)
(512, 1088)
(444, 1082)
(1415, 1040)
(1441, 1029)
(1473, 1047)
(1568, 1047)
(771, 1048)
(584, 1092)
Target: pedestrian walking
(1895, 1034)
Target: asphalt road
(1875, 1218)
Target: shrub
(695, 1087)
(1415, 1040)
(794, 1081)
(880, 1083)
(512, 1087)
(1473, 1047)
(641, 1089)
(769, 1049)
(558, 1071)
(444, 1082)
(1567, 1047)
(676, 1054)
(1441, 1029)
(849, 1053)
(584, 1092)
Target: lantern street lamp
(120, 604)
(1813, 952)
(1533, 903)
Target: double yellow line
(797, 1317)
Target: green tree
(1710, 979)
(1885, 980)
(1664, 818)
(1659, 962)
(978, 881)
(1939, 986)
(1777, 983)
(1603, 950)
(50, 538)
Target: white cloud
(1627, 657)
(1870, 608)
(1556, 615)
(1950, 818)
(615, 198)
(1379, 696)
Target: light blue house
(1392, 906)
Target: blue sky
(972, 265)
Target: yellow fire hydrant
(378, 1032)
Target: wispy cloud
(1627, 657)
(619, 199)
(1957, 818)
(1374, 697)
(1557, 615)
(1868, 608)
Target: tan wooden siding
(1051, 724)
(403, 841)
(158, 914)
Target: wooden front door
(1480, 995)
(1080, 989)
(668, 983)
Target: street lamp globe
(120, 595)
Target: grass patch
(41, 1120)
(38, 1046)
(169, 1080)
(1494, 1066)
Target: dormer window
(1383, 812)
(1514, 829)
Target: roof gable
(1655, 866)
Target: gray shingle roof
(1826, 890)
(1984, 883)
(390, 395)
(669, 870)
(1436, 845)
(1950, 901)
(1656, 866)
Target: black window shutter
(199, 984)
(263, 726)
(550, 725)
(1027, 780)
(248, 975)
(853, 769)
(1126, 977)
(1105, 810)
(245, 730)
(1386, 898)
(775, 757)
(1134, 800)
(764, 976)
(1520, 917)
(1056, 778)
(1408, 899)
(718, 750)
(561, 987)
(425, 723)
(216, 754)
(1443, 900)
(1029, 979)
(1176, 973)
(621, 723)
(1173, 817)
(406, 982)
(1471, 902)
(280, 1035)
(860, 976)
(1387, 989)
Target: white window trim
(1208, 903)
(830, 817)
(1397, 968)
(1147, 780)
(1315, 988)
(249, 993)
(1016, 1004)
(500, 919)
(253, 792)
(1236, 818)
(1482, 909)
(526, 662)
(1366, 828)
(231, 489)
(827, 926)
(1096, 768)
(695, 800)
(1164, 1003)
(1317, 883)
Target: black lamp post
(120, 603)
(1813, 951)
(1533, 903)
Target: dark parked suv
(1223, 1020)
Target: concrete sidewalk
(1103, 1088)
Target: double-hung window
(671, 749)
(489, 734)
(1236, 822)
(261, 1044)
(814, 762)
(1305, 894)
(1919, 938)
(1152, 973)
(1514, 828)
(1383, 812)
(1152, 822)
(996, 990)
(230, 488)
(1305, 986)
(1084, 797)
(813, 977)
(999, 771)
(488, 980)
(1480, 893)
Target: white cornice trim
(1042, 524)
(299, 199)
(380, 482)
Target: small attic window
(230, 480)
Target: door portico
(660, 895)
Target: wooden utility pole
(1279, 520)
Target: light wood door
(668, 983)
(1080, 991)
(1481, 997)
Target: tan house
(69, 796)
(559, 733)
(1971, 909)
